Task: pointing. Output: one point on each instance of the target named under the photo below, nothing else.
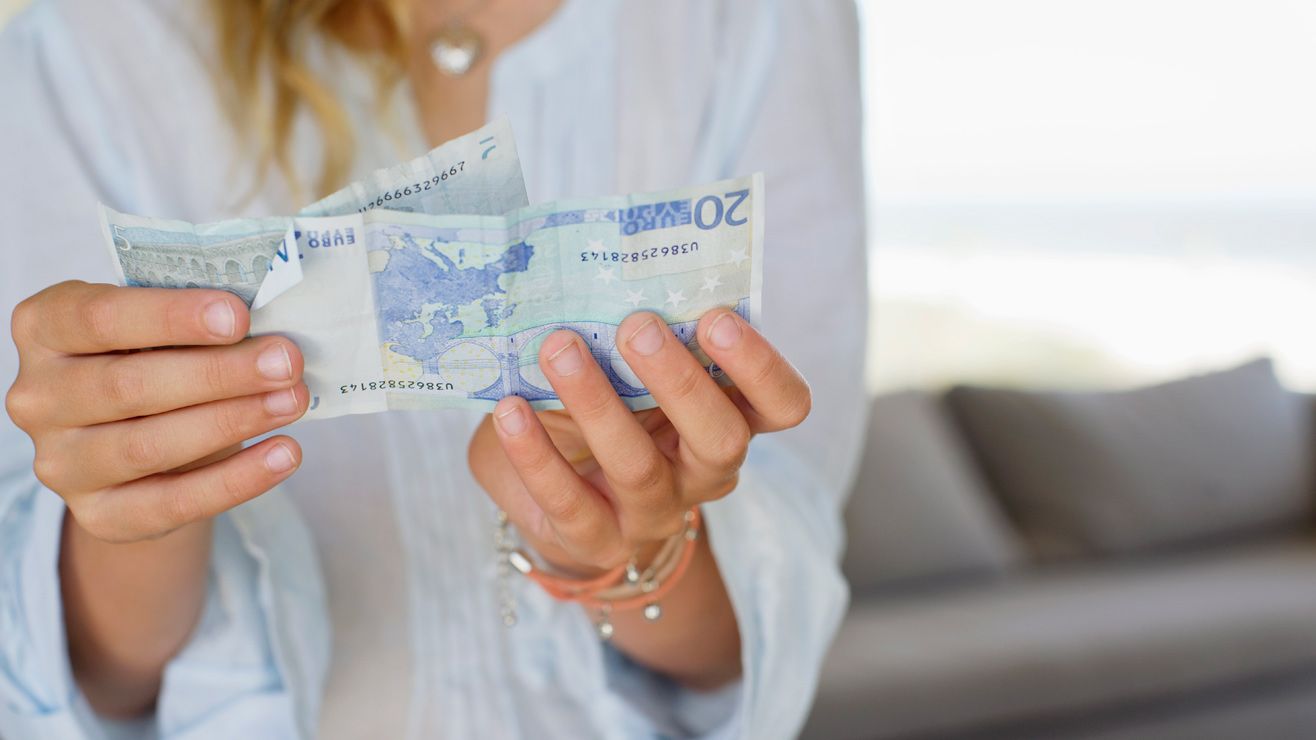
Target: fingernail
(511, 421)
(724, 331)
(647, 339)
(274, 363)
(281, 403)
(219, 319)
(279, 459)
(566, 360)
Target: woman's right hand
(141, 443)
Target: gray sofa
(1030, 564)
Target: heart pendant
(456, 49)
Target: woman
(147, 585)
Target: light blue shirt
(359, 599)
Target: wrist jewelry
(619, 589)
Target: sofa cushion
(1209, 456)
(919, 509)
(1069, 644)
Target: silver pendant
(456, 49)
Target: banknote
(476, 173)
(257, 259)
(402, 310)
(236, 256)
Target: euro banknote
(476, 173)
(479, 173)
(399, 310)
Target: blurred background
(1084, 512)
(1082, 192)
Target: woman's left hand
(596, 484)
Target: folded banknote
(419, 310)
(478, 173)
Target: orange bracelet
(588, 592)
(682, 565)
(561, 587)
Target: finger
(714, 433)
(102, 388)
(155, 506)
(121, 451)
(777, 395)
(582, 518)
(82, 318)
(639, 473)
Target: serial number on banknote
(395, 385)
(410, 190)
(648, 254)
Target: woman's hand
(141, 443)
(144, 449)
(591, 487)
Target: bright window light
(1074, 192)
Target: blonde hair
(265, 79)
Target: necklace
(457, 47)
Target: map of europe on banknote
(461, 304)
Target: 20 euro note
(258, 259)
(418, 311)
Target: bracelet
(618, 589)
